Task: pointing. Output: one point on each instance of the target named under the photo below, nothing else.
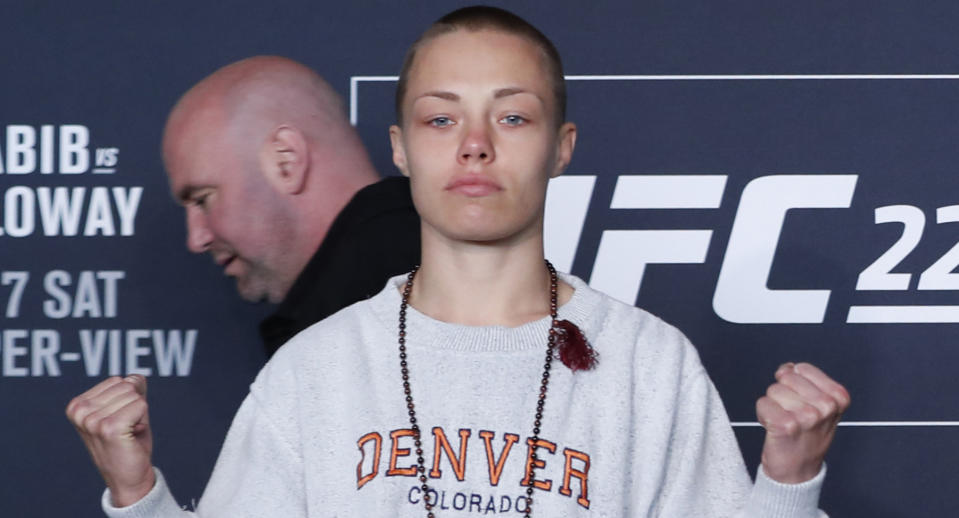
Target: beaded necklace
(577, 356)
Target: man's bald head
(263, 158)
(258, 93)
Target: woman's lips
(473, 185)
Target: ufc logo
(741, 294)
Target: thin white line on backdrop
(355, 80)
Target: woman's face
(479, 139)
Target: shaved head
(261, 155)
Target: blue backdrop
(777, 180)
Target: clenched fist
(113, 422)
(800, 413)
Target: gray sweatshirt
(324, 431)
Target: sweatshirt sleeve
(707, 476)
(704, 470)
(771, 498)
(259, 471)
(158, 502)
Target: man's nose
(476, 145)
(198, 234)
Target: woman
(483, 381)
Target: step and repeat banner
(779, 181)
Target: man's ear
(285, 159)
(564, 153)
(399, 152)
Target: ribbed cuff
(158, 502)
(774, 499)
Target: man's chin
(250, 292)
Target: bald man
(280, 191)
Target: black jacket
(376, 236)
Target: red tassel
(574, 351)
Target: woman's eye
(441, 122)
(513, 120)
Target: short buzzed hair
(480, 17)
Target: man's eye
(441, 122)
(513, 120)
(199, 201)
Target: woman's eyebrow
(513, 90)
(442, 94)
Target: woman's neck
(482, 285)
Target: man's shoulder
(389, 194)
(377, 233)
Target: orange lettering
(396, 452)
(569, 472)
(459, 465)
(496, 467)
(545, 485)
(360, 478)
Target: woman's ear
(564, 153)
(399, 151)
